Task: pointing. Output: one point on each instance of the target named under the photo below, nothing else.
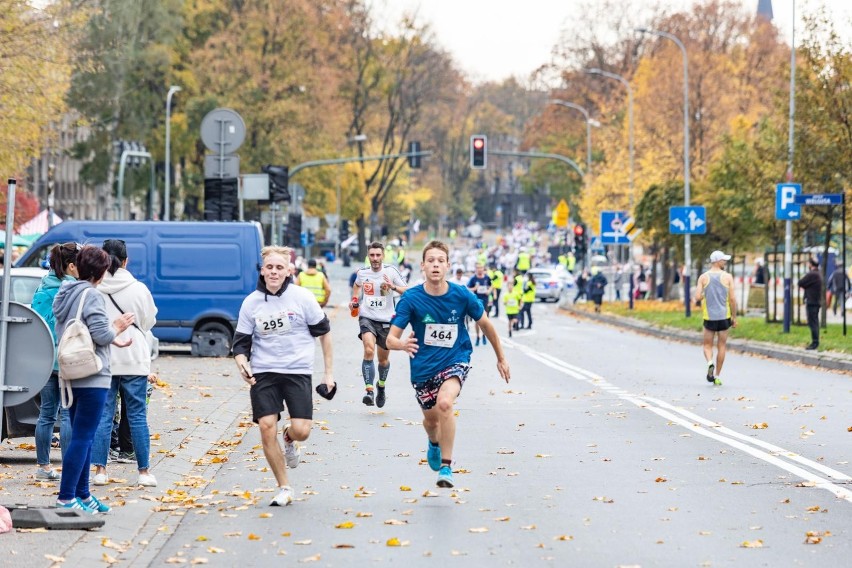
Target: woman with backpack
(63, 267)
(131, 366)
(79, 301)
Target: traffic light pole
(330, 162)
(560, 157)
(121, 167)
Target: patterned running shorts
(427, 391)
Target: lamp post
(167, 191)
(687, 243)
(588, 130)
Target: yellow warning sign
(561, 216)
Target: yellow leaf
(265, 515)
(502, 519)
(393, 542)
(542, 455)
(345, 525)
(253, 536)
(215, 550)
(563, 537)
(760, 426)
(364, 515)
(428, 493)
(108, 559)
(752, 544)
(201, 538)
(661, 480)
(404, 488)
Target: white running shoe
(147, 480)
(292, 452)
(100, 479)
(284, 497)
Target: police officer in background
(316, 282)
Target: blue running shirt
(438, 324)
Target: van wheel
(212, 339)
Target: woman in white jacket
(131, 366)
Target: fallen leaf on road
(563, 537)
(235, 533)
(343, 546)
(760, 426)
(478, 530)
(175, 560)
(542, 455)
(113, 545)
(502, 519)
(806, 484)
(752, 544)
(305, 542)
(265, 515)
(345, 525)
(314, 558)
(110, 559)
(198, 560)
(603, 499)
(404, 488)
(815, 537)
(201, 538)
(528, 527)
(362, 515)
(253, 536)
(215, 550)
(395, 522)
(428, 493)
(53, 558)
(504, 451)
(661, 480)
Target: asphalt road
(608, 448)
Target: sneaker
(94, 505)
(112, 456)
(484, 340)
(284, 497)
(477, 342)
(433, 455)
(717, 381)
(292, 452)
(710, 368)
(380, 397)
(147, 480)
(368, 397)
(510, 332)
(126, 457)
(445, 476)
(48, 474)
(76, 505)
(54, 441)
(812, 346)
(100, 479)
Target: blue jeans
(47, 419)
(134, 390)
(85, 413)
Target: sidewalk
(194, 421)
(826, 359)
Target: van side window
(40, 259)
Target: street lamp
(687, 243)
(588, 130)
(167, 191)
(626, 84)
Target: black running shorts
(717, 325)
(378, 328)
(273, 390)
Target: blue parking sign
(786, 208)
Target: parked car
(25, 282)
(550, 283)
(198, 272)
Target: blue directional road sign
(612, 228)
(687, 220)
(820, 199)
(786, 206)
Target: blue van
(198, 272)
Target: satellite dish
(29, 354)
(223, 131)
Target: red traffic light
(478, 143)
(578, 229)
(478, 151)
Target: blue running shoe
(94, 505)
(445, 476)
(433, 456)
(75, 504)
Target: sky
(493, 39)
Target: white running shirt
(375, 304)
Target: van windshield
(39, 258)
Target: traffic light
(580, 240)
(279, 179)
(414, 161)
(478, 149)
(344, 230)
(294, 229)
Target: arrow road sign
(820, 199)
(786, 206)
(687, 220)
(613, 228)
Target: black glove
(322, 390)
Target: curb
(826, 360)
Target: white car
(25, 282)
(550, 282)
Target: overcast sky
(492, 39)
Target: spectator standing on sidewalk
(274, 352)
(597, 287)
(62, 267)
(130, 366)
(838, 284)
(811, 283)
(715, 291)
(88, 393)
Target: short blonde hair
(273, 249)
(436, 245)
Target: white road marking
(700, 425)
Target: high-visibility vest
(314, 283)
(400, 256)
(389, 256)
(529, 292)
(496, 279)
(572, 261)
(523, 261)
(512, 301)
